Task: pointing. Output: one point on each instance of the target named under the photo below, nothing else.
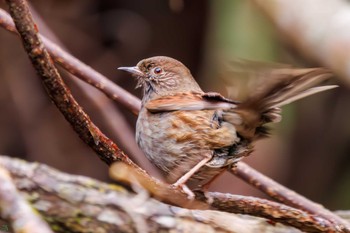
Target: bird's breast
(177, 141)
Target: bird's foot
(184, 189)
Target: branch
(78, 204)
(16, 210)
(101, 104)
(57, 90)
(229, 203)
(107, 150)
(273, 211)
(285, 195)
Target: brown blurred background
(308, 152)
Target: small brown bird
(193, 136)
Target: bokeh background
(308, 152)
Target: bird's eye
(157, 70)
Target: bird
(193, 136)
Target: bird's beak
(133, 70)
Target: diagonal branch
(57, 90)
(112, 117)
(107, 150)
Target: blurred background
(308, 152)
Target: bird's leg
(183, 179)
(205, 187)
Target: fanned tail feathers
(263, 106)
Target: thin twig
(16, 210)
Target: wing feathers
(189, 101)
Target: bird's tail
(262, 106)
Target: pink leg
(183, 179)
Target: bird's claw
(185, 189)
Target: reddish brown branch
(102, 105)
(56, 88)
(16, 210)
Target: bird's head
(162, 76)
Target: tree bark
(71, 203)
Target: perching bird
(193, 136)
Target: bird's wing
(190, 101)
